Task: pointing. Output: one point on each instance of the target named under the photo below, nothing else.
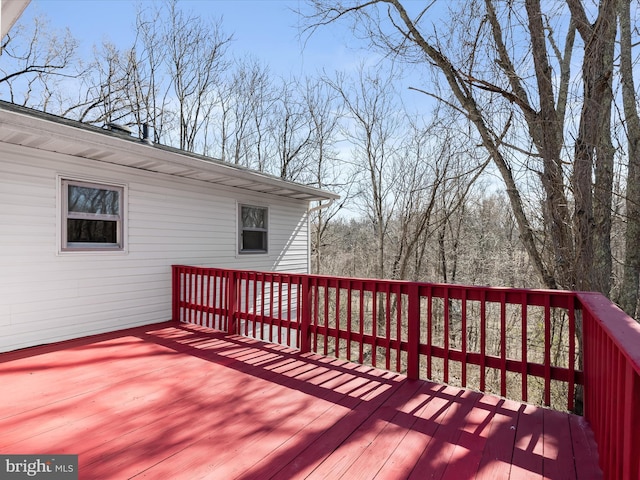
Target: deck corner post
(305, 326)
(413, 332)
(175, 293)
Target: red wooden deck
(174, 401)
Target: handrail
(522, 344)
(408, 327)
(612, 384)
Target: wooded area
(524, 172)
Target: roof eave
(49, 133)
(10, 11)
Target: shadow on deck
(182, 401)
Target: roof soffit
(10, 11)
(90, 142)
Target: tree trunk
(593, 150)
(546, 128)
(630, 278)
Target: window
(92, 216)
(253, 229)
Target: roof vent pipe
(146, 135)
(117, 128)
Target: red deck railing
(612, 384)
(522, 344)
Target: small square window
(92, 216)
(254, 231)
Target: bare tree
(325, 168)
(371, 125)
(434, 176)
(630, 281)
(34, 59)
(196, 60)
(169, 78)
(594, 150)
(293, 132)
(105, 97)
(247, 97)
(521, 124)
(150, 92)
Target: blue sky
(267, 29)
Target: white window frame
(241, 230)
(66, 247)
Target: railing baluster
(190, 295)
(463, 333)
(447, 319)
(280, 318)
(224, 298)
(244, 302)
(207, 299)
(214, 301)
(263, 301)
(271, 305)
(503, 345)
(213, 277)
(631, 424)
(610, 408)
(374, 322)
(185, 296)
(398, 328)
(197, 310)
(413, 332)
(618, 407)
(325, 314)
(256, 300)
(193, 296)
(361, 325)
(483, 339)
(429, 330)
(305, 309)
(524, 365)
(316, 313)
(203, 299)
(349, 313)
(289, 306)
(572, 356)
(388, 325)
(337, 321)
(599, 391)
(547, 351)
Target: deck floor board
(181, 401)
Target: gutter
(322, 206)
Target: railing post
(232, 302)
(305, 326)
(413, 332)
(175, 293)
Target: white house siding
(46, 296)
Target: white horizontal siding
(46, 296)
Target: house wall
(47, 296)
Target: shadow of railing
(441, 419)
(407, 326)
